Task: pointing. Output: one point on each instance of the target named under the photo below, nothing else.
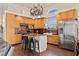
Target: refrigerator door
(61, 40)
(70, 34)
(61, 34)
(67, 35)
(69, 42)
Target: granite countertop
(33, 34)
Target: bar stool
(36, 41)
(25, 42)
(33, 45)
(77, 49)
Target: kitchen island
(42, 40)
(42, 43)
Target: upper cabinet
(39, 23)
(72, 14)
(63, 15)
(18, 20)
(67, 15)
(28, 21)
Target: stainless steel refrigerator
(67, 31)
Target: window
(51, 23)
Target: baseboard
(15, 44)
(52, 44)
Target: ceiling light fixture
(36, 11)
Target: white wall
(17, 9)
(0, 16)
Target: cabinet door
(72, 14)
(42, 23)
(28, 21)
(10, 28)
(18, 20)
(64, 16)
(39, 23)
(49, 39)
(35, 24)
(53, 39)
(75, 13)
(67, 15)
(18, 38)
(59, 18)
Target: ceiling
(47, 6)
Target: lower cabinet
(52, 39)
(17, 38)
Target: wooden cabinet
(39, 23)
(52, 39)
(43, 23)
(63, 15)
(67, 15)
(18, 38)
(28, 21)
(72, 14)
(13, 22)
(36, 24)
(10, 28)
(18, 20)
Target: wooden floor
(52, 50)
